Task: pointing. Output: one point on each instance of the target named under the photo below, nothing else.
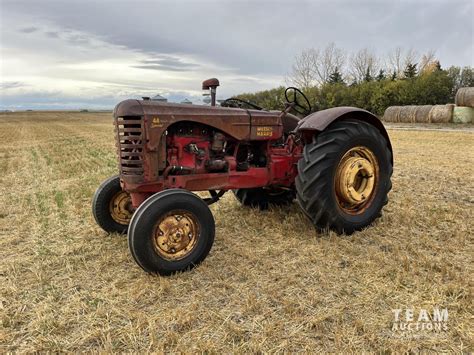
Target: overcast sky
(92, 54)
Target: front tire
(112, 207)
(344, 176)
(171, 231)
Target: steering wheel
(304, 108)
(237, 103)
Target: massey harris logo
(264, 131)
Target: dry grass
(271, 282)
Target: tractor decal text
(264, 131)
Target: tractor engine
(196, 149)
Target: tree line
(330, 77)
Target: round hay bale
(412, 113)
(441, 113)
(407, 114)
(422, 113)
(462, 114)
(391, 114)
(465, 97)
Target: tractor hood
(158, 116)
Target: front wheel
(344, 176)
(171, 231)
(112, 207)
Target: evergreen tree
(394, 76)
(381, 75)
(336, 77)
(410, 70)
(368, 76)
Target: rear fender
(319, 121)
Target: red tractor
(337, 163)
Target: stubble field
(270, 283)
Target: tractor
(337, 163)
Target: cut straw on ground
(270, 283)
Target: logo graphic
(410, 320)
(156, 122)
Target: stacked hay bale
(422, 113)
(391, 114)
(465, 97)
(441, 113)
(464, 109)
(419, 114)
(404, 114)
(462, 112)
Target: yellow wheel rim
(356, 180)
(176, 234)
(120, 207)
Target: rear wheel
(344, 176)
(263, 198)
(112, 207)
(171, 231)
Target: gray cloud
(262, 37)
(249, 42)
(170, 62)
(49, 100)
(12, 85)
(75, 38)
(52, 34)
(80, 39)
(158, 67)
(28, 29)
(166, 63)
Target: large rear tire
(171, 231)
(344, 176)
(112, 207)
(263, 198)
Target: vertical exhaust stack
(211, 84)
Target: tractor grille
(130, 144)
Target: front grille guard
(130, 142)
